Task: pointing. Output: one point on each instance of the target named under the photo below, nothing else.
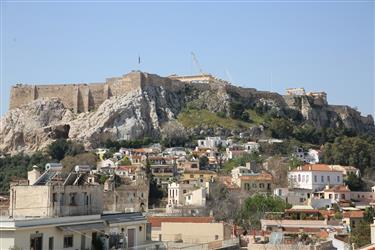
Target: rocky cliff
(143, 112)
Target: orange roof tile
(316, 167)
(353, 214)
(338, 188)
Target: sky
(269, 45)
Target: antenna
(229, 76)
(195, 60)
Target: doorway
(36, 242)
(131, 237)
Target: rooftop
(157, 220)
(316, 167)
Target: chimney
(33, 175)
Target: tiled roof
(338, 188)
(157, 220)
(316, 167)
(353, 214)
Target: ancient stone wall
(21, 95)
(78, 97)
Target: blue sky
(322, 46)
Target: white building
(212, 142)
(314, 177)
(240, 171)
(196, 197)
(119, 230)
(293, 196)
(311, 156)
(181, 194)
(251, 146)
(176, 193)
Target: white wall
(315, 180)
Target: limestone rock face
(145, 110)
(34, 126)
(134, 115)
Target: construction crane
(195, 61)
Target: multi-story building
(200, 176)
(111, 231)
(314, 177)
(125, 195)
(256, 182)
(246, 179)
(176, 193)
(55, 193)
(183, 194)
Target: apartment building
(314, 177)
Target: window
(54, 197)
(50, 243)
(322, 178)
(299, 178)
(254, 185)
(307, 178)
(191, 176)
(338, 178)
(329, 179)
(68, 241)
(73, 199)
(261, 185)
(303, 178)
(315, 178)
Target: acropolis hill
(140, 104)
(84, 97)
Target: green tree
(350, 151)
(203, 161)
(16, 166)
(369, 215)
(125, 162)
(61, 148)
(355, 183)
(361, 234)
(281, 128)
(81, 159)
(256, 206)
(155, 193)
(294, 162)
(58, 149)
(242, 160)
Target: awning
(82, 227)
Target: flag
(139, 60)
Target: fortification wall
(21, 95)
(78, 97)
(157, 81)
